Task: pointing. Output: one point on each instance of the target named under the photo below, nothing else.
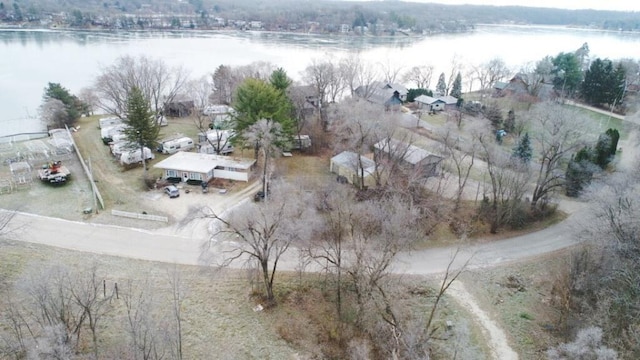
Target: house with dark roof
(381, 93)
(522, 85)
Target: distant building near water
(391, 96)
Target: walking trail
(494, 335)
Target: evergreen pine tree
(579, 172)
(142, 128)
(615, 137)
(441, 87)
(456, 88)
(523, 150)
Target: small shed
(346, 164)
(204, 167)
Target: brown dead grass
(219, 321)
(520, 298)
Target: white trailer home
(133, 156)
(109, 121)
(119, 147)
(107, 133)
(175, 145)
(215, 142)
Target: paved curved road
(168, 246)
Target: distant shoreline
(398, 34)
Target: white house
(436, 104)
(204, 167)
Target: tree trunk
(267, 283)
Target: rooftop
(202, 163)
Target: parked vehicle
(134, 156)
(54, 173)
(260, 195)
(172, 191)
(173, 146)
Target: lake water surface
(30, 59)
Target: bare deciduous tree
(267, 136)
(178, 293)
(53, 113)
(490, 72)
(389, 71)
(456, 68)
(587, 345)
(461, 154)
(507, 185)
(143, 327)
(358, 125)
(356, 73)
(86, 292)
(335, 207)
(263, 232)
(420, 76)
(158, 83)
(559, 133)
(377, 231)
(605, 275)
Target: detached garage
(347, 164)
(204, 167)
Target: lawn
(601, 122)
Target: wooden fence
(140, 216)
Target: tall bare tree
(491, 72)
(158, 82)
(378, 230)
(419, 75)
(559, 132)
(267, 137)
(263, 232)
(461, 154)
(142, 312)
(329, 249)
(390, 71)
(356, 72)
(507, 185)
(86, 289)
(456, 68)
(358, 125)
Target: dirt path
(494, 335)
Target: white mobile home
(173, 146)
(109, 131)
(133, 156)
(216, 142)
(224, 148)
(204, 167)
(109, 121)
(119, 147)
